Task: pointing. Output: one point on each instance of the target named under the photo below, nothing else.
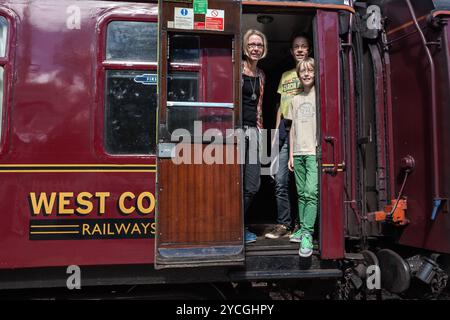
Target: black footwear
(279, 231)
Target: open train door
(199, 212)
(327, 47)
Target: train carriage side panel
(412, 114)
(67, 196)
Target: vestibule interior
(279, 25)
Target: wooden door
(199, 214)
(332, 165)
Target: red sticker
(199, 25)
(215, 20)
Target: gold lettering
(102, 201)
(153, 228)
(86, 229)
(96, 229)
(136, 229)
(63, 201)
(82, 200)
(140, 200)
(145, 226)
(121, 227)
(43, 201)
(109, 229)
(122, 198)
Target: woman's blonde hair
(307, 63)
(253, 32)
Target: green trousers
(306, 181)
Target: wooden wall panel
(199, 204)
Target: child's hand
(291, 163)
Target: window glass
(131, 41)
(182, 86)
(184, 49)
(1, 99)
(3, 35)
(130, 115)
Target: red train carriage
(404, 111)
(66, 170)
(93, 92)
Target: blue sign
(146, 79)
(184, 12)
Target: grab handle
(334, 167)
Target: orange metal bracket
(398, 217)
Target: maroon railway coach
(93, 91)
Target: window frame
(187, 67)
(7, 63)
(103, 65)
(200, 67)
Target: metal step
(286, 274)
(284, 266)
(265, 245)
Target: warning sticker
(199, 25)
(215, 20)
(184, 18)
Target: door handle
(335, 167)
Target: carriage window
(1, 99)
(3, 45)
(130, 112)
(130, 88)
(3, 34)
(131, 41)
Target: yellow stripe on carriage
(54, 232)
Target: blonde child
(302, 155)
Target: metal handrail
(200, 104)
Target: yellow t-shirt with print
(289, 87)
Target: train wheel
(395, 272)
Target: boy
(302, 155)
(288, 87)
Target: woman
(255, 48)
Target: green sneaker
(296, 236)
(306, 245)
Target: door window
(200, 82)
(3, 45)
